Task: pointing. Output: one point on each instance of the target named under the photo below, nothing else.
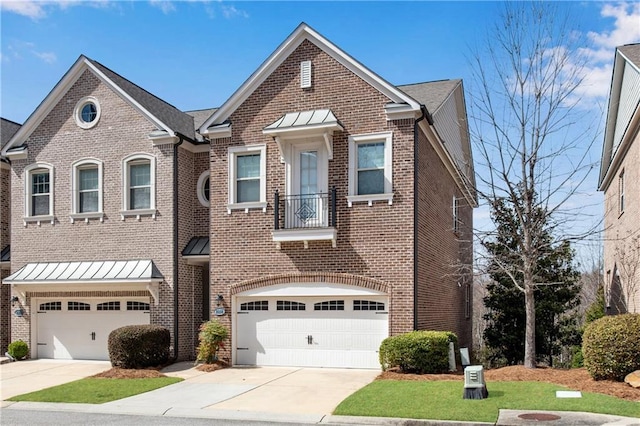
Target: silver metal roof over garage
(86, 272)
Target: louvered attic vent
(305, 74)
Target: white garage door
(79, 328)
(325, 331)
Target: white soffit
(310, 289)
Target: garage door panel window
(286, 305)
(367, 305)
(78, 306)
(109, 306)
(51, 306)
(137, 306)
(258, 305)
(329, 305)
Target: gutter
(424, 114)
(175, 244)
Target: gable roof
(431, 94)
(300, 34)
(162, 114)
(623, 115)
(7, 130)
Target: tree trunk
(530, 328)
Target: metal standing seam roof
(197, 246)
(107, 270)
(315, 118)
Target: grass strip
(442, 400)
(94, 390)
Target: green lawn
(442, 400)
(94, 390)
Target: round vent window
(87, 112)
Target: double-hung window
(247, 183)
(139, 185)
(370, 168)
(38, 192)
(87, 189)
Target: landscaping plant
(418, 351)
(610, 346)
(139, 346)
(18, 349)
(212, 335)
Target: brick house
(7, 130)
(339, 211)
(620, 181)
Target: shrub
(139, 346)
(577, 359)
(417, 351)
(18, 349)
(212, 335)
(610, 346)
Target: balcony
(307, 217)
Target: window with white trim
(86, 182)
(139, 181)
(108, 306)
(133, 305)
(287, 305)
(203, 188)
(247, 177)
(329, 305)
(78, 306)
(621, 192)
(258, 305)
(50, 306)
(87, 112)
(367, 305)
(370, 168)
(39, 191)
(455, 208)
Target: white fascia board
(22, 154)
(219, 131)
(447, 160)
(612, 112)
(163, 138)
(51, 100)
(304, 32)
(129, 99)
(400, 111)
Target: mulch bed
(150, 373)
(575, 379)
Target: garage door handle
(309, 340)
(93, 335)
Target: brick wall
(622, 228)
(443, 256)
(5, 239)
(120, 132)
(375, 242)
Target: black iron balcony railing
(304, 211)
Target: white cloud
(31, 9)
(230, 11)
(47, 57)
(165, 6)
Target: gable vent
(305, 74)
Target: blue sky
(195, 54)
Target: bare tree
(627, 274)
(532, 152)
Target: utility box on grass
(474, 385)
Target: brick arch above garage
(312, 277)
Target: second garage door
(79, 328)
(341, 332)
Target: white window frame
(126, 163)
(77, 112)
(30, 171)
(75, 192)
(354, 141)
(455, 209)
(621, 199)
(200, 188)
(233, 154)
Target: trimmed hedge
(139, 346)
(18, 349)
(610, 346)
(418, 351)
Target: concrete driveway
(21, 377)
(230, 393)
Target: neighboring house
(7, 130)
(620, 181)
(339, 212)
